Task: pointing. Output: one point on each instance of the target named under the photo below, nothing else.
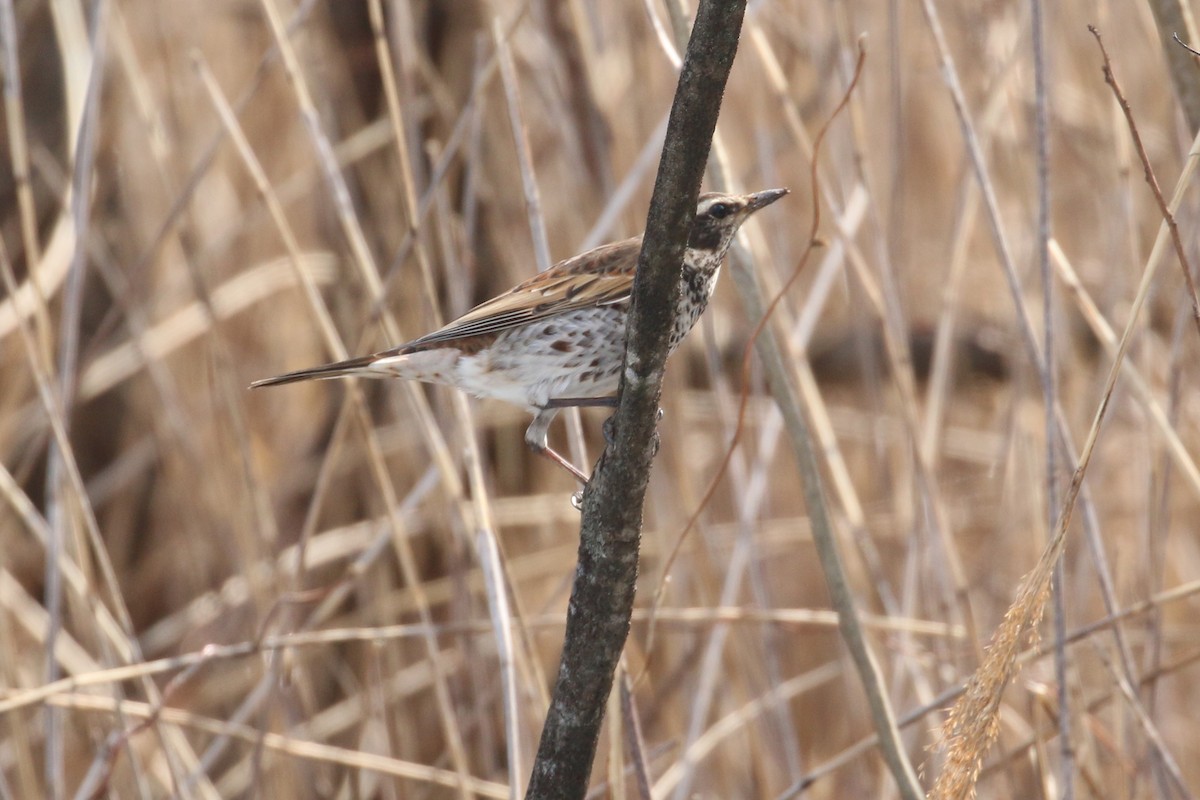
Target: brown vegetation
(315, 562)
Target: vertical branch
(1173, 19)
(68, 356)
(1049, 390)
(533, 198)
(1164, 208)
(14, 118)
(602, 598)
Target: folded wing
(603, 276)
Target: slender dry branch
(1172, 18)
(58, 512)
(799, 431)
(748, 353)
(633, 735)
(1111, 79)
(602, 598)
(1066, 767)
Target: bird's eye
(720, 210)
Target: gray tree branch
(602, 598)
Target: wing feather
(599, 277)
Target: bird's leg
(536, 438)
(553, 455)
(535, 435)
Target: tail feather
(340, 369)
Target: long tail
(354, 366)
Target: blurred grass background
(191, 512)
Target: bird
(556, 340)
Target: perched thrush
(558, 339)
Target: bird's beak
(763, 199)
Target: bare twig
(1185, 45)
(1168, 217)
(703, 704)
(533, 197)
(1173, 17)
(747, 359)
(58, 511)
(634, 738)
(14, 118)
(1050, 391)
(789, 403)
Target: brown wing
(598, 277)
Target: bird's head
(718, 217)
